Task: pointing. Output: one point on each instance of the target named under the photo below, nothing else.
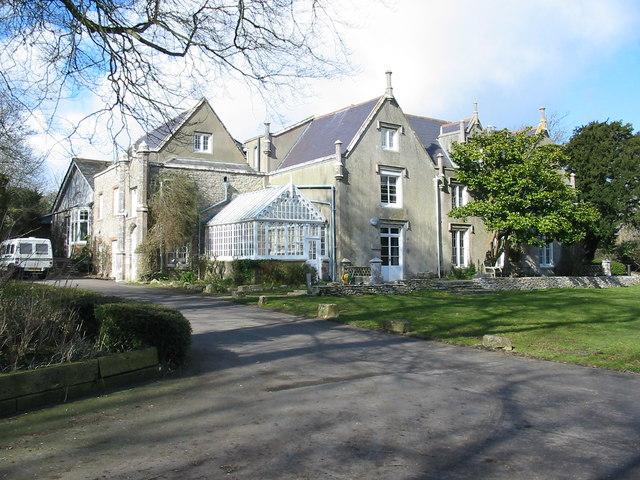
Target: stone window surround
(202, 142)
(385, 172)
(390, 136)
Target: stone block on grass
(262, 300)
(497, 342)
(327, 311)
(396, 326)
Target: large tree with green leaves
(519, 190)
(605, 156)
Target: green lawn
(585, 326)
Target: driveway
(273, 396)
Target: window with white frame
(79, 225)
(391, 188)
(389, 138)
(100, 206)
(134, 201)
(459, 247)
(458, 195)
(546, 255)
(202, 142)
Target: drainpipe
(332, 246)
(439, 185)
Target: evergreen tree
(605, 156)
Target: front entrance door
(391, 253)
(313, 253)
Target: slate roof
(455, 126)
(195, 162)
(156, 137)
(428, 130)
(318, 140)
(89, 167)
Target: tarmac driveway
(272, 396)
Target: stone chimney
(542, 126)
(266, 147)
(389, 92)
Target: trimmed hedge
(127, 326)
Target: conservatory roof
(263, 205)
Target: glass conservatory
(275, 223)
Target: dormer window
(458, 195)
(202, 142)
(389, 137)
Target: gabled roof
(318, 140)
(263, 205)
(87, 169)
(156, 138)
(428, 131)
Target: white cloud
(511, 57)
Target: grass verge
(595, 327)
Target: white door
(391, 253)
(314, 256)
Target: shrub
(464, 273)
(629, 252)
(126, 326)
(36, 330)
(187, 277)
(275, 272)
(617, 268)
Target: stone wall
(25, 390)
(480, 285)
(539, 283)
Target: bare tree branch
(143, 57)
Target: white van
(31, 256)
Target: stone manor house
(367, 182)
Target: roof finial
(475, 110)
(542, 126)
(389, 91)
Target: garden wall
(29, 389)
(480, 285)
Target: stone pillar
(606, 267)
(123, 170)
(376, 271)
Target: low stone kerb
(327, 311)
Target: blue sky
(579, 59)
